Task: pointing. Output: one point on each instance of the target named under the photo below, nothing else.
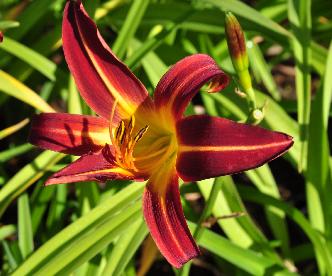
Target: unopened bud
(237, 49)
(1, 37)
(236, 42)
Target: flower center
(157, 147)
(155, 151)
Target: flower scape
(136, 137)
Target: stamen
(131, 125)
(119, 131)
(140, 134)
(123, 141)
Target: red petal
(178, 86)
(92, 167)
(99, 75)
(212, 146)
(164, 216)
(68, 133)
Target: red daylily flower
(136, 137)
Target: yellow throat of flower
(142, 149)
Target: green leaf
(263, 24)
(87, 236)
(299, 14)
(56, 214)
(12, 129)
(34, 59)
(246, 259)
(6, 231)
(318, 179)
(242, 231)
(258, 62)
(25, 235)
(263, 179)
(125, 248)
(8, 24)
(39, 205)
(30, 17)
(15, 88)
(26, 177)
(15, 151)
(129, 27)
(294, 214)
(155, 41)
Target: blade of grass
(294, 214)
(25, 235)
(26, 177)
(117, 226)
(108, 6)
(257, 61)
(47, 44)
(39, 206)
(318, 176)
(29, 17)
(263, 179)
(8, 24)
(15, 88)
(153, 66)
(31, 57)
(14, 128)
(155, 41)
(56, 214)
(12, 253)
(242, 230)
(326, 104)
(265, 25)
(299, 14)
(86, 234)
(6, 231)
(133, 20)
(210, 202)
(125, 248)
(15, 151)
(245, 259)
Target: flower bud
(237, 49)
(1, 37)
(236, 42)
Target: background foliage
(91, 229)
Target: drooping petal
(91, 167)
(212, 146)
(177, 87)
(100, 76)
(68, 133)
(164, 216)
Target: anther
(119, 131)
(140, 134)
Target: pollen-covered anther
(124, 142)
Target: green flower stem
(184, 271)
